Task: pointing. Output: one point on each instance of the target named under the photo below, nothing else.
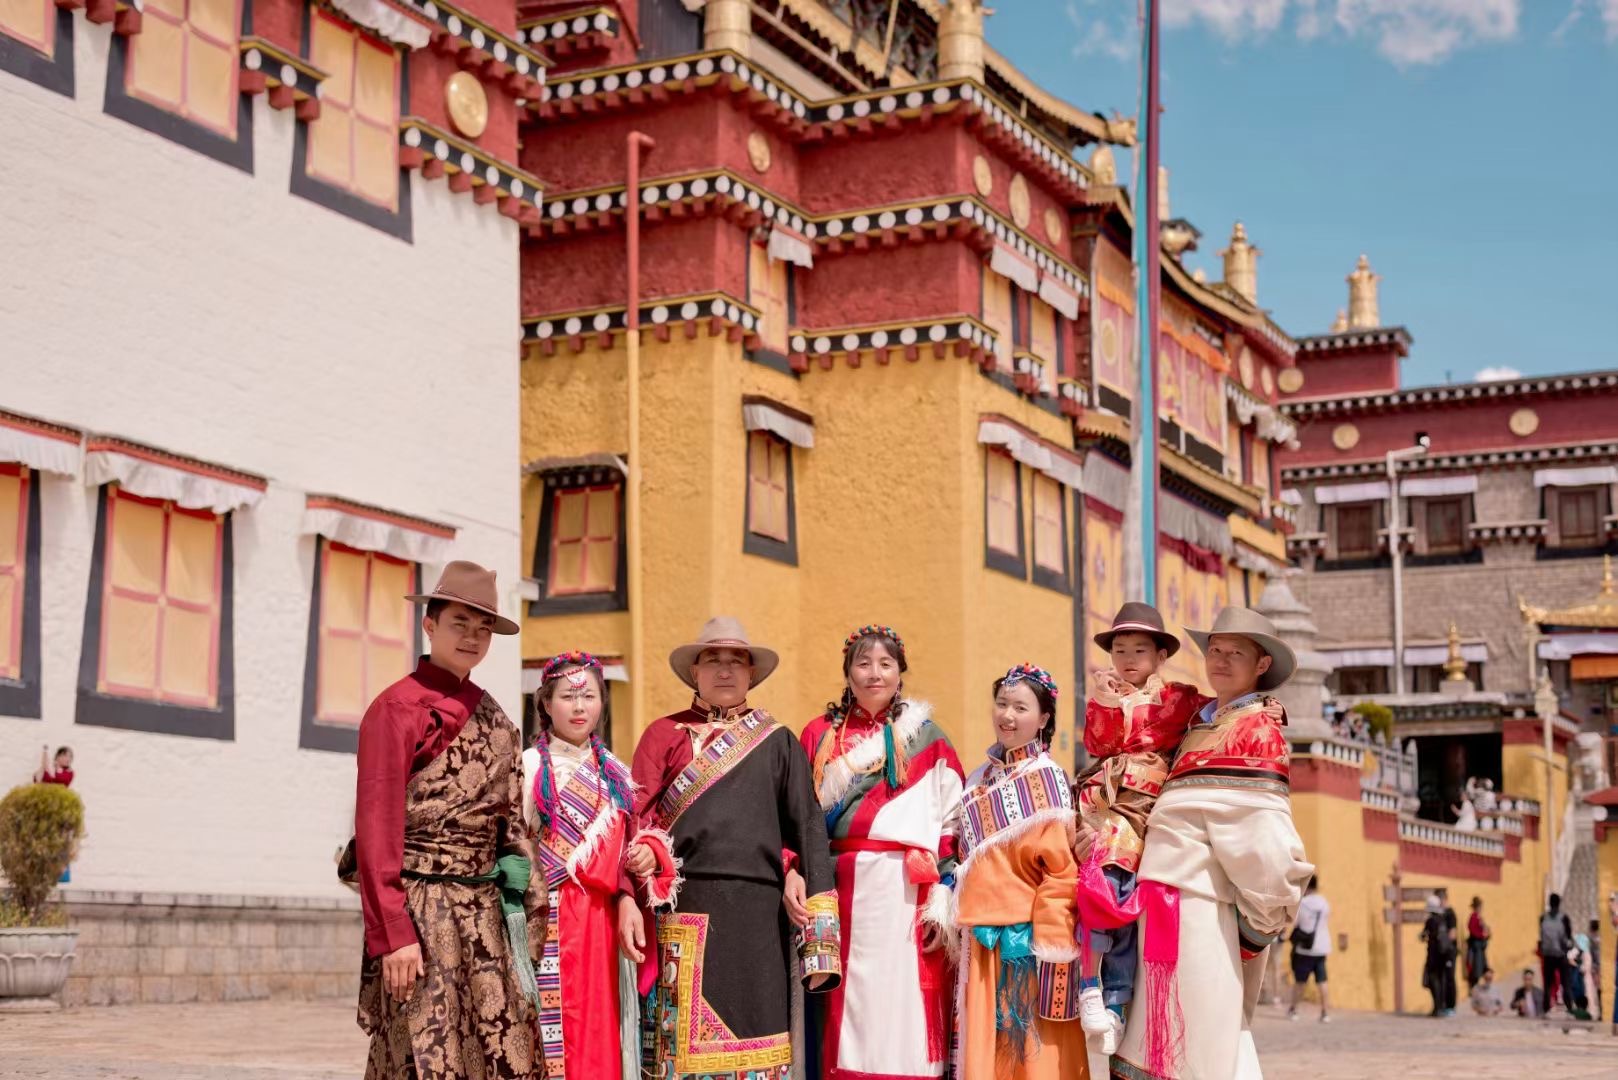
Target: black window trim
(20, 697)
(617, 599)
(993, 559)
(55, 71)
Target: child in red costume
(1132, 724)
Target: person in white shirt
(1311, 944)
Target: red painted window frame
(181, 108)
(611, 539)
(47, 46)
(360, 37)
(365, 635)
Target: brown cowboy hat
(468, 583)
(722, 632)
(1135, 617)
(1247, 623)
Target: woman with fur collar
(890, 785)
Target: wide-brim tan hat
(468, 583)
(1247, 623)
(723, 632)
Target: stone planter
(33, 966)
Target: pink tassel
(1165, 1023)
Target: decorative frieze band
(964, 336)
(722, 314)
(1440, 394)
(1436, 462)
(290, 80)
(570, 32)
(437, 153)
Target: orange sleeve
(1055, 914)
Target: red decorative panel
(1325, 776)
(1431, 859)
(1379, 825)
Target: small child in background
(63, 771)
(1132, 724)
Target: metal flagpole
(1143, 492)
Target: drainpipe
(1395, 548)
(639, 671)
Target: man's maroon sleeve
(388, 736)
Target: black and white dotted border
(461, 25)
(1355, 338)
(259, 58)
(1600, 451)
(462, 158)
(1467, 392)
(665, 191)
(648, 75)
(544, 31)
(658, 314)
(847, 341)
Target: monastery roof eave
(1419, 396)
(1600, 613)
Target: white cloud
(1605, 10)
(1497, 374)
(1406, 32)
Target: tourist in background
(1529, 1000)
(1595, 967)
(1453, 925)
(59, 773)
(1486, 995)
(1477, 944)
(1438, 974)
(1311, 944)
(890, 785)
(1555, 942)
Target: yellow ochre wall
(1607, 884)
(1352, 872)
(889, 506)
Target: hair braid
(545, 783)
(610, 775)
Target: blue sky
(1469, 147)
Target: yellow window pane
(26, 19)
(1002, 477)
(1042, 330)
(603, 513)
(192, 558)
(331, 49)
(569, 524)
(10, 520)
(389, 613)
(567, 571)
(376, 163)
(342, 596)
(758, 456)
(384, 665)
(376, 83)
(136, 545)
(173, 8)
(997, 312)
(188, 660)
(216, 18)
(10, 596)
(329, 147)
(779, 455)
(130, 654)
(1002, 528)
(210, 89)
(156, 61)
(1048, 545)
(342, 677)
(600, 566)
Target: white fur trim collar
(860, 758)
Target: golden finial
(1340, 323)
(1241, 264)
(1363, 313)
(1455, 666)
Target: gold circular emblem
(1245, 366)
(1109, 341)
(1290, 380)
(1053, 225)
(1345, 436)
(981, 176)
(1266, 380)
(758, 151)
(1019, 201)
(1524, 422)
(468, 104)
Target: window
(769, 288)
(32, 22)
(1445, 525)
(1042, 331)
(1578, 516)
(999, 316)
(184, 61)
(354, 144)
(1359, 681)
(36, 43)
(19, 591)
(579, 559)
(1050, 533)
(366, 636)
(1002, 508)
(157, 653)
(1356, 531)
(771, 518)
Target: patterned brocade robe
(1221, 837)
(729, 792)
(891, 846)
(468, 1018)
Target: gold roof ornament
(1455, 666)
(1103, 166)
(1363, 313)
(1241, 264)
(1601, 613)
(1340, 324)
(960, 40)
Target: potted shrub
(40, 827)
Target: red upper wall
(911, 281)
(1360, 371)
(678, 258)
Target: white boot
(1094, 1016)
(1114, 1034)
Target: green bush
(1378, 717)
(40, 827)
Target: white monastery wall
(152, 293)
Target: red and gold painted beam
(717, 314)
(478, 47)
(467, 168)
(958, 335)
(581, 30)
(290, 80)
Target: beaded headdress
(570, 666)
(872, 630)
(1029, 673)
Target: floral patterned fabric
(467, 1019)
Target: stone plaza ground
(318, 1041)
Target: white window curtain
(1594, 474)
(154, 476)
(762, 416)
(1351, 493)
(40, 448)
(1433, 486)
(354, 526)
(1032, 452)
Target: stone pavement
(270, 1040)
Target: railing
(1430, 832)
